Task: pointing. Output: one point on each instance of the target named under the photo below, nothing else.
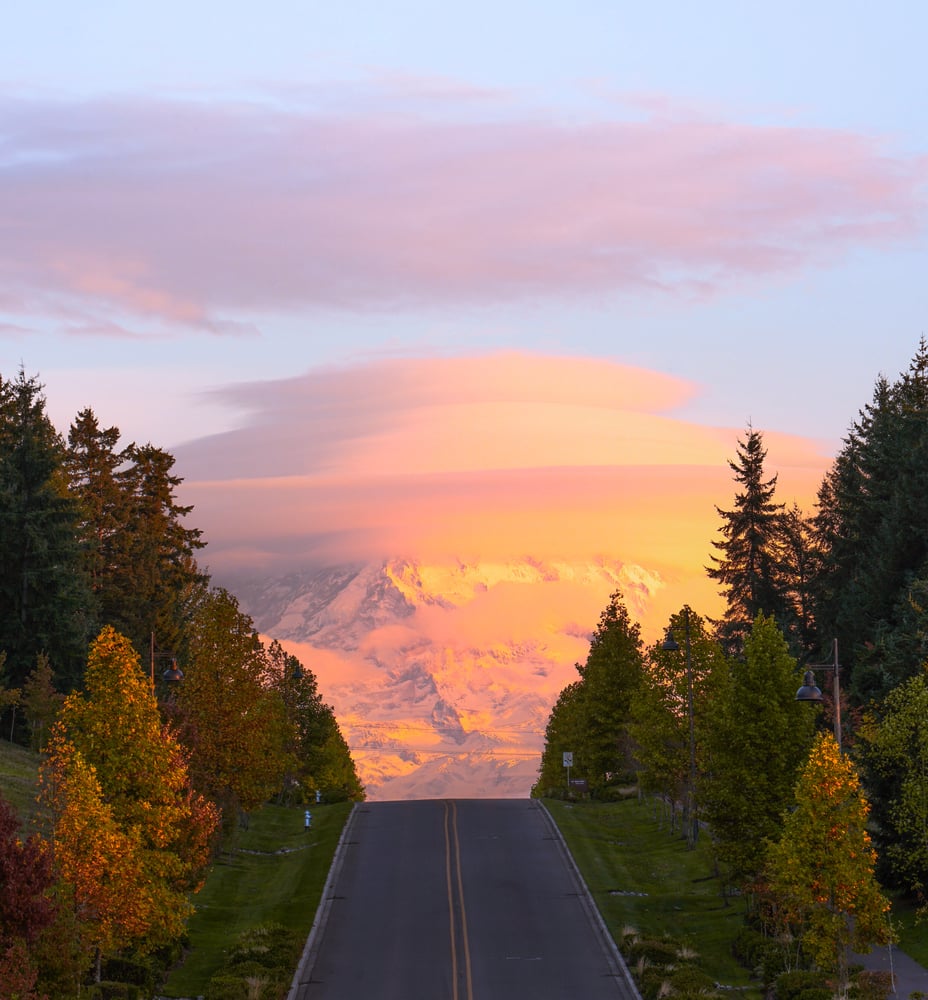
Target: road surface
(458, 900)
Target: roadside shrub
(802, 985)
(114, 991)
(130, 970)
(248, 981)
(690, 979)
(655, 951)
(272, 946)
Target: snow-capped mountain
(442, 675)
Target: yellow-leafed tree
(822, 869)
(129, 833)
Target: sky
(484, 278)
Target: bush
(248, 981)
(802, 985)
(272, 946)
(130, 970)
(656, 951)
(761, 955)
(689, 979)
(114, 991)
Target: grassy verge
(913, 935)
(273, 872)
(643, 877)
(19, 772)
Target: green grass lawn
(273, 872)
(19, 769)
(643, 877)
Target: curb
(596, 918)
(313, 940)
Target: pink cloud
(196, 214)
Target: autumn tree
(40, 701)
(894, 749)
(233, 722)
(26, 907)
(821, 870)
(758, 739)
(748, 567)
(114, 772)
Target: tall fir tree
(872, 531)
(93, 461)
(156, 576)
(45, 603)
(749, 566)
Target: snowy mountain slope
(442, 675)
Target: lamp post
(811, 692)
(173, 674)
(670, 645)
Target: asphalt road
(458, 900)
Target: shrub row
(260, 965)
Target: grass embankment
(19, 775)
(643, 877)
(272, 873)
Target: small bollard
(318, 796)
(307, 820)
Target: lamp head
(809, 690)
(669, 644)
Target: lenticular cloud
(195, 213)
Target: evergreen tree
(872, 530)
(660, 716)
(563, 734)
(612, 673)
(895, 752)
(749, 567)
(758, 738)
(155, 578)
(93, 462)
(45, 604)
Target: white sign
(568, 759)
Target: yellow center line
(454, 943)
(457, 855)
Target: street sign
(568, 759)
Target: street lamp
(811, 692)
(173, 674)
(670, 645)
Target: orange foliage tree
(821, 871)
(129, 833)
(234, 722)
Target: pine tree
(45, 604)
(749, 567)
(758, 738)
(872, 530)
(93, 461)
(563, 734)
(155, 577)
(611, 674)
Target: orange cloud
(492, 457)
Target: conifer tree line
(749, 773)
(138, 778)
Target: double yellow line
(455, 881)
